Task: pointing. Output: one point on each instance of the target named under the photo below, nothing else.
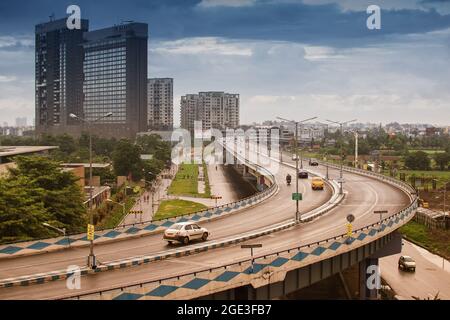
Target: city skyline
(293, 69)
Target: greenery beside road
(38, 192)
(173, 208)
(115, 215)
(185, 182)
(435, 240)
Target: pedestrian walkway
(149, 201)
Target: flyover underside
(313, 273)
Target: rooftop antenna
(52, 17)
(126, 21)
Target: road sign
(251, 246)
(90, 232)
(380, 211)
(350, 218)
(349, 230)
(216, 197)
(296, 196)
(340, 180)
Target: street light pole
(341, 174)
(63, 231)
(91, 258)
(120, 204)
(297, 212)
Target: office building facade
(160, 103)
(90, 74)
(58, 75)
(115, 79)
(215, 109)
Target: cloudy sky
(289, 58)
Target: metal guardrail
(406, 211)
(258, 195)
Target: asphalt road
(363, 196)
(276, 210)
(428, 280)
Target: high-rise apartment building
(160, 103)
(115, 79)
(215, 109)
(58, 75)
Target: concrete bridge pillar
(369, 279)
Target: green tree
(127, 160)
(442, 160)
(417, 161)
(22, 211)
(154, 166)
(60, 194)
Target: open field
(436, 241)
(172, 208)
(429, 151)
(185, 181)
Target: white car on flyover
(185, 232)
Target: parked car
(303, 175)
(294, 157)
(407, 263)
(185, 232)
(313, 162)
(317, 183)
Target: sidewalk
(159, 194)
(432, 274)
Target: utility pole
(297, 212)
(356, 149)
(91, 258)
(341, 124)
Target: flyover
(177, 278)
(249, 219)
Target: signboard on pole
(90, 232)
(349, 230)
(296, 196)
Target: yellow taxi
(317, 183)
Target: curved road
(276, 209)
(363, 196)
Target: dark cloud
(265, 20)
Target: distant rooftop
(9, 151)
(86, 165)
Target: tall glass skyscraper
(58, 75)
(90, 74)
(115, 78)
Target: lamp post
(152, 189)
(341, 124)
(91, 258)
(63, 230)
(120, 204)
(297, 213)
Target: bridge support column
(369, 279)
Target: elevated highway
(364, 194)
